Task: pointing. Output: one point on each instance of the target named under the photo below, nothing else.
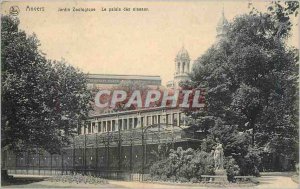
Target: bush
(194, 180)
(232, 168)
(183, 166)
(158, 169)
(78, 178)
(250, 162)
(183, 179)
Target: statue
(218, 156)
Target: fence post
(39, 161)
(131, 153)
(119, 147)
(33, 162)
(27, 167)
(143, 154)
(96, 155)
(73, 155)
(145, 160)
(108, 153)
(84, 153)
(16, 161)
(51, 163)
(62, 162)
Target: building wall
(110, 80)
(128, 120)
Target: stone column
(163, 117)
(102, 126)
(132, 122)
(144, 120)
(96, 127)
(92, 126)
(117, 124)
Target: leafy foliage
(232, 168)
(183, 165)
(43, 101)
(251, 77)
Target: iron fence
(112, 155)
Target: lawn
(33, 182)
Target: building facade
(133, 119)
(111, 80)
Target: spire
(222, 24)
(182, 66)
(223, 14)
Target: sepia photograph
(143, 94)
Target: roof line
(123, 75)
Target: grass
(19, 181)
(34, 182)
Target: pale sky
(139, 43)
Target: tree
(251, 76)
(43, 101)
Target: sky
(127, 42)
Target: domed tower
(222, 27)
(182, 67)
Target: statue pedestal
(221, 176)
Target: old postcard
(150, 94)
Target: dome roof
(183, 54)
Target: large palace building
(110, 121)
(128, 140)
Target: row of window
(130, 123)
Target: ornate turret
(182, 66)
